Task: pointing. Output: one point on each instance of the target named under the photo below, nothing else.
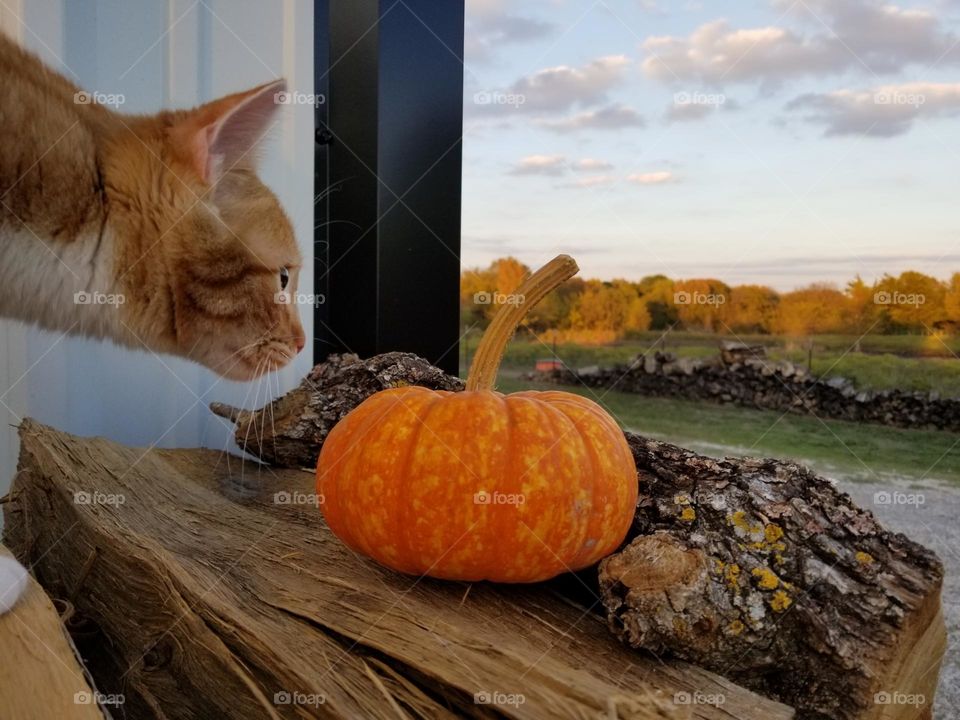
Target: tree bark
(763, 572)
(290, 431)
(219, 592)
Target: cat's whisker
(252, 423)
(273, 427)
(262, 371)
(268, 400)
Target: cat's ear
(222, 133)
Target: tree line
(603, 311)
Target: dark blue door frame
(388, 177)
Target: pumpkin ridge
(495, 531)
(586, 404)
(375, 418)
(406, 480)
(593, 526)
(332, 476)
(555, 415)
(550, 457)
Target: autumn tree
(751, 309)
(482, 291)
(614, 308)
(951, 301)
(555, 310)
(657, 292)
(818, 308)
(864, 314)
(509, 273)
(699, 303)
(472, 284)
(911, 301)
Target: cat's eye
(284, 278)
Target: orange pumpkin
(478, 485)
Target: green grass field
(833, 448)
(906, 362)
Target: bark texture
(763, 572)
(290, 431)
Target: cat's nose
(301, 341)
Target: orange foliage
(595, 311)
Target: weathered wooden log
(220, 593)
(40, 676)
(289, 431)
(763, 572)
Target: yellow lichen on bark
(780, 601)
(766, 579)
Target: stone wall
(761, 383)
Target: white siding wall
(173, 53)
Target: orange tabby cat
(149, 230)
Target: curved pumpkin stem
(483, 369)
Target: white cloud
(555, 165)
(540, 165)
(610, 117)
(715, 52)
(651, 178)
(880, 34)
(884, 111)
(559, 89)
(488, 26)
(590, 181)
(866, 35)
(683, 112)
(592, 165)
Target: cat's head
(232, 264)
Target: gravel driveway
(934, 522)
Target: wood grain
(214, 593)
(40, 676)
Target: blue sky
(769, 141)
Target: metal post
(389, 172)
